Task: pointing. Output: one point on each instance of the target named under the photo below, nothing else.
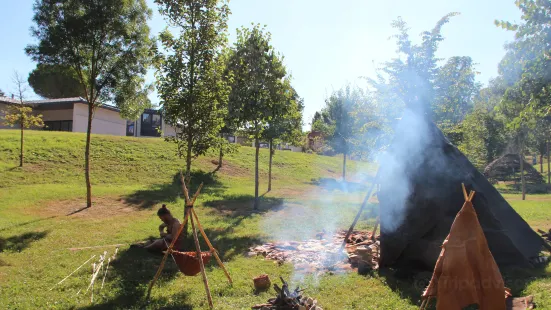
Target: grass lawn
(132, 177)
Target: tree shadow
(20, 242)
(236, 208)
(333, 184)
(134, 268)
(27, 223)
(170, 192)
(131, 272)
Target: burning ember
(289, 300)
(323, 254)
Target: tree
(258, 74)
(19, 114)
(107, 44)
(340, 108)
(285, 123)
(527, 69)
(2, 94)
(55, 81)
(455, 89)
(190, 76)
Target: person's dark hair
(163, 210)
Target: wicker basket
(188, 263)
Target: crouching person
(171, 225)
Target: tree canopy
(56, 81)
(190, 76)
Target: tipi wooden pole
(375, 180)
(212, 249)
(198, 247)
(375, 229)
(168, 252)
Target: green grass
(131, 177)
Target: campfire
(323, 254)
(289, 300)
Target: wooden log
(212, 249)
(203, 274)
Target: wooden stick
(73, 272)
(464, 192)
(168, 251)
(198, 247)
(364, 203)
(184, 187)
(196, 194)
(375, 229)
(471, 195)
(97, 246)
(213, 250)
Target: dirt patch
(102, 207)
(230, 169)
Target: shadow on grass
(410, 284)
(19, 243)
(169, 192)
(332, 185)
(27, 223)
(131, 273)
(134, 268)
(235, 208)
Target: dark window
(130, 125)
(156, 120)
(58, 125)
(146, 119)
(151, 124)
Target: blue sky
(326, 44)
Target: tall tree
(258, 73)
(527, 69)
(20, 114)
(455, 89)
(56, 81)
(190, 76)
(107, 44)
(340, 107)
(285, 123)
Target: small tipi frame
(191, 215)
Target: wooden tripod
(194, 219)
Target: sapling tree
(190, 74)
(258, 75)
(21, 115)
(107, 44)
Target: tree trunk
(548, 164)
(257, 146)
(270, 166)
(541, 163)
(522, 181)
(21, 155)
(220, 158)
(87, 156)
(344, 166)
(188, 161)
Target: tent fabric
(434, 199)
(466, 272)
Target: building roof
(8, 100)
(56, 101)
